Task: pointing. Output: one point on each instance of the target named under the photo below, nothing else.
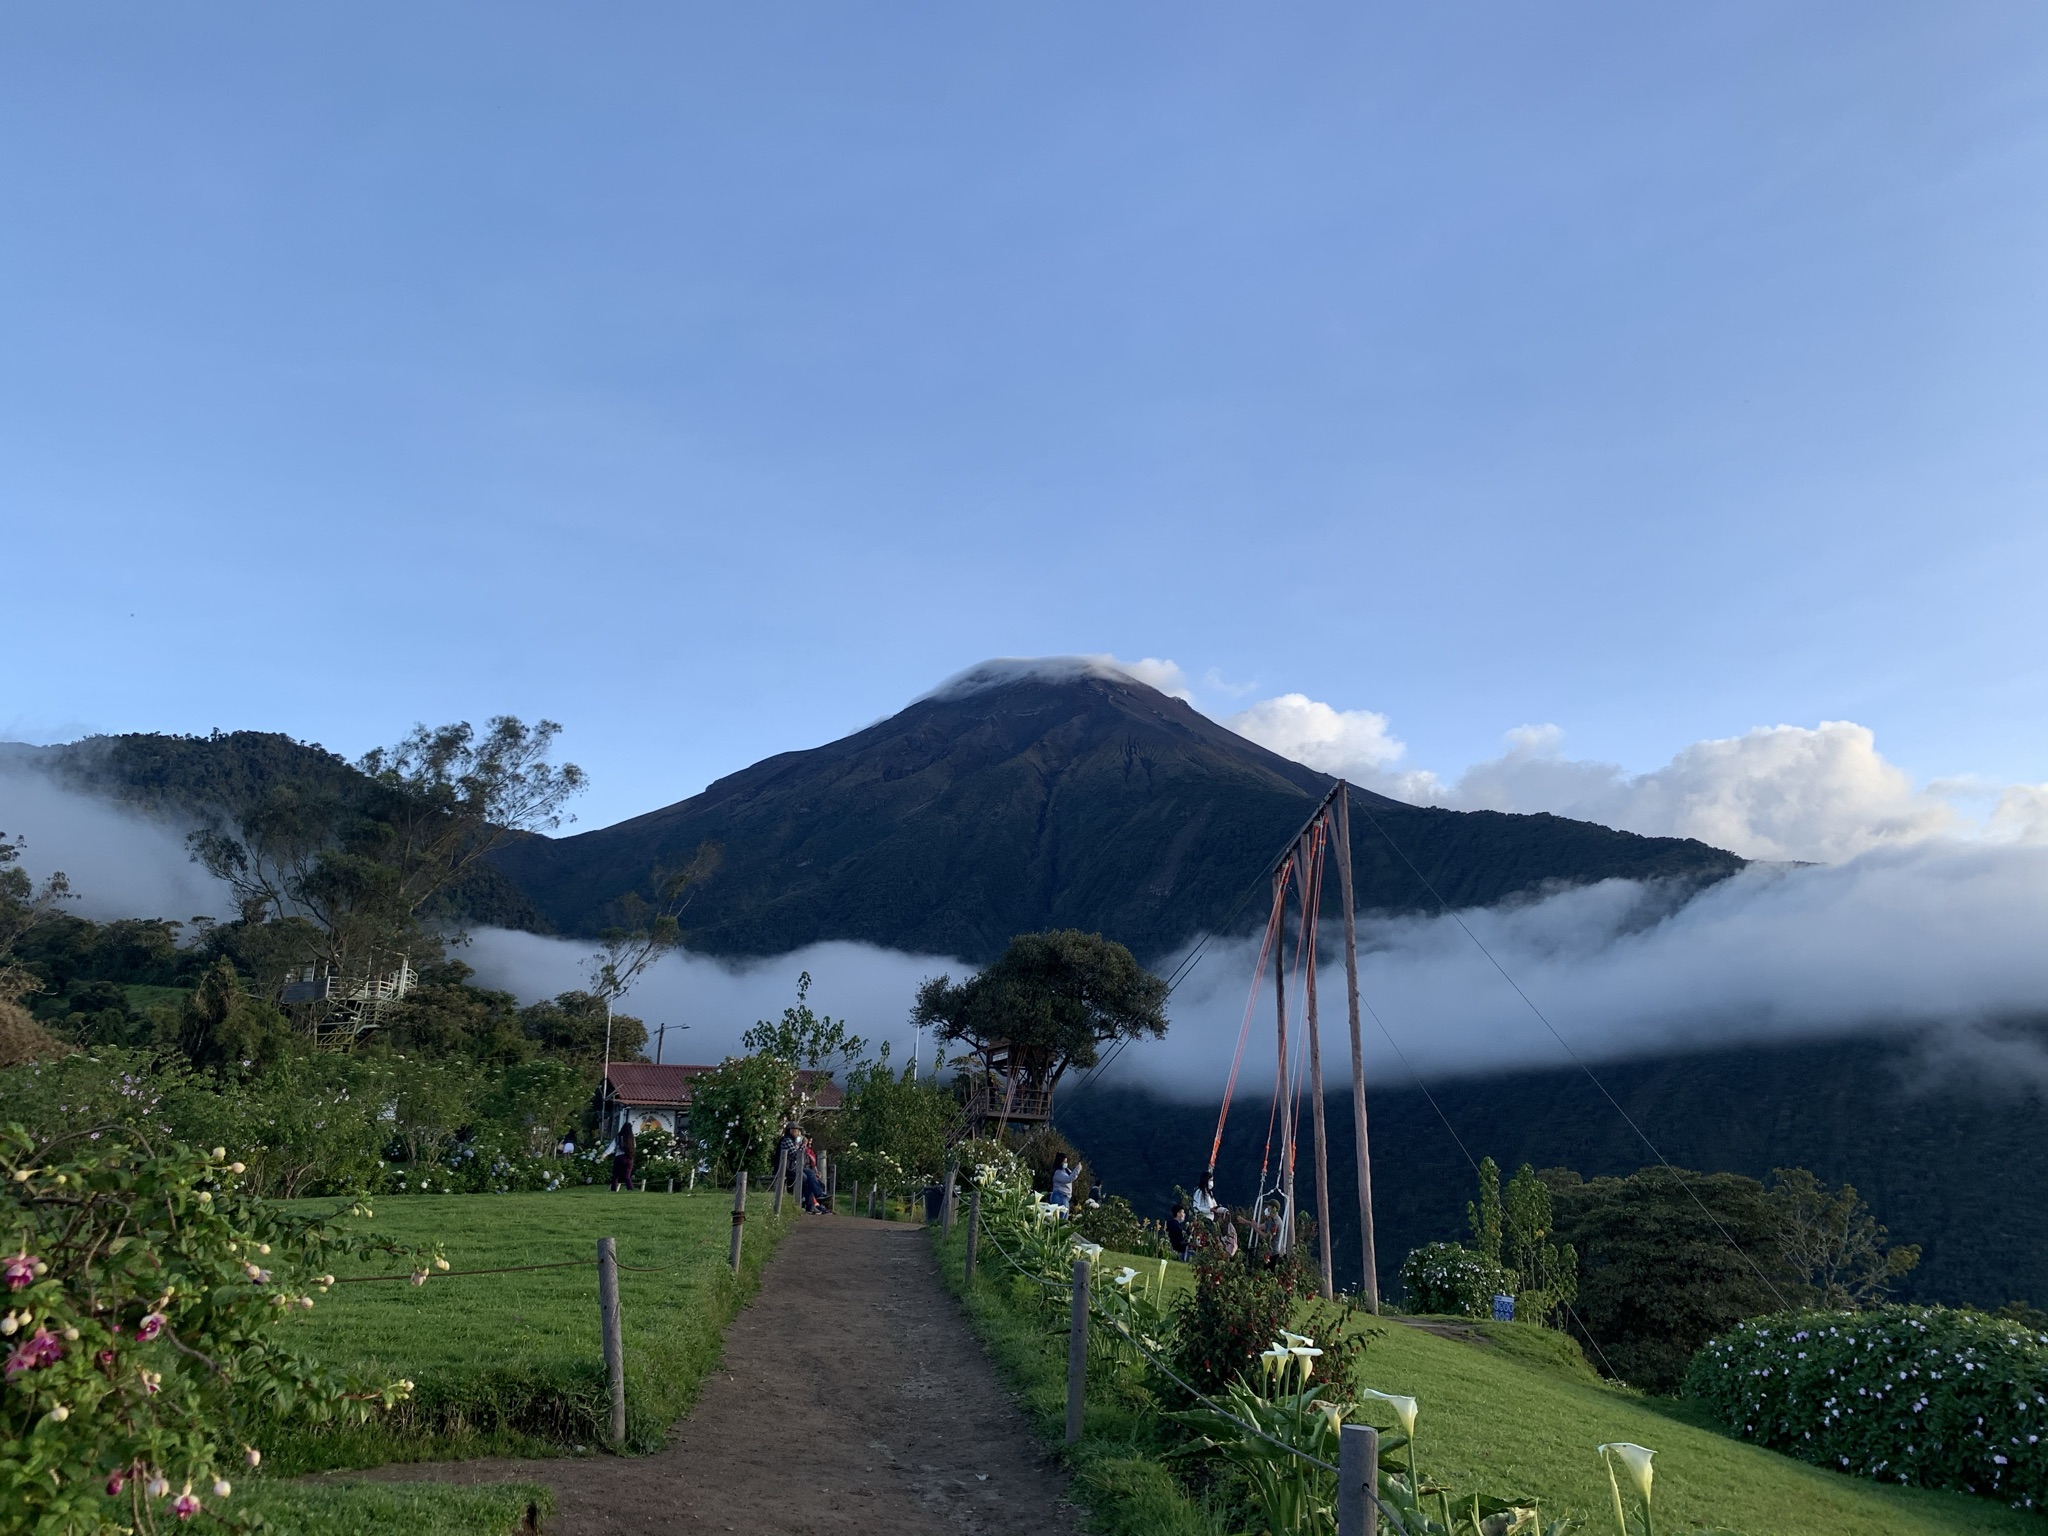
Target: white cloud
(872, 989)
(1780, 792)
(1942, 938)
(120, 862)
(1351, 743)
(1776, 792)
(1152, 671)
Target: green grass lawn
(513, 1362)
(1522, 1412)
(396, 1509)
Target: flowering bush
(1922, 1395)
(142, 1288)
(1445, 1278)
(1114, 1224)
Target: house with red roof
(656, 1095)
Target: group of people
(1211, 1222)
(797, 1158)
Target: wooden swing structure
(1297, 880)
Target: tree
(1668, 1259)
(1546, 1276)
(24, 906)
(363, 858)
(896, 1126)
(1483, 1215)
(443, 1015)
(737, 1111)
(574, 1024)
(1829, 1242)
(802, 1038)
(1050, 1002)
(220, 1025)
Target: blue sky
(714, 380)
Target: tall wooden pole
(1370, 1286)
(1283, 1240)
(1305, 879)
(614, 1347)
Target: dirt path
(853, 1401)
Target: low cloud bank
(872, 989)
(1943, 939)
(120, 862)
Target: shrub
(144, 1288)
(1443, 1277)
(1923, 1395)
(1116, 1226)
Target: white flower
(1124, 1276)
(1636, 1458)
(1089, 1251)
(1405, 1408)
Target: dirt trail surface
(853, 1400)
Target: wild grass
(513, 1363)
(382, 1509)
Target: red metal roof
(646, 1085)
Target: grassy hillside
(1511, 1408)
(1494, 1415)
(507, 1362)
(1955, 1164)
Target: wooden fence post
(739, 1216)
(614, 1345)
(1358, 1467)
(825, 1177)
(781, 1158)
(946, 1201)
(1077, 1353)
(973, 1232)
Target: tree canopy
(1052, 1001)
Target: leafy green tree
(430, 1102)
(574, 1025)
(538, 1102)
(443, 1015)
(803, 1038)
(363, 858)
(1050, 1002)
(1484, 1215)
(1546, 1275)
(221, 1026)
(737, 1111)
(1668, 1259)
(1830, 1244)
(897, 1125)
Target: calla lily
(1124, 1276)
(1405, 1408)
(1637, 1459)
(1089, 1251)
(1300, 1340)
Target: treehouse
(1004, 1089)
(339, 1010)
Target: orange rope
(1244, 1033)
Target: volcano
(1024, 796)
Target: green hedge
(1919, 1395)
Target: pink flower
(185, 1505)
(32, 1354)
(106, 1359)
(21, 1270)
(150, 1327)
(116, 1482)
